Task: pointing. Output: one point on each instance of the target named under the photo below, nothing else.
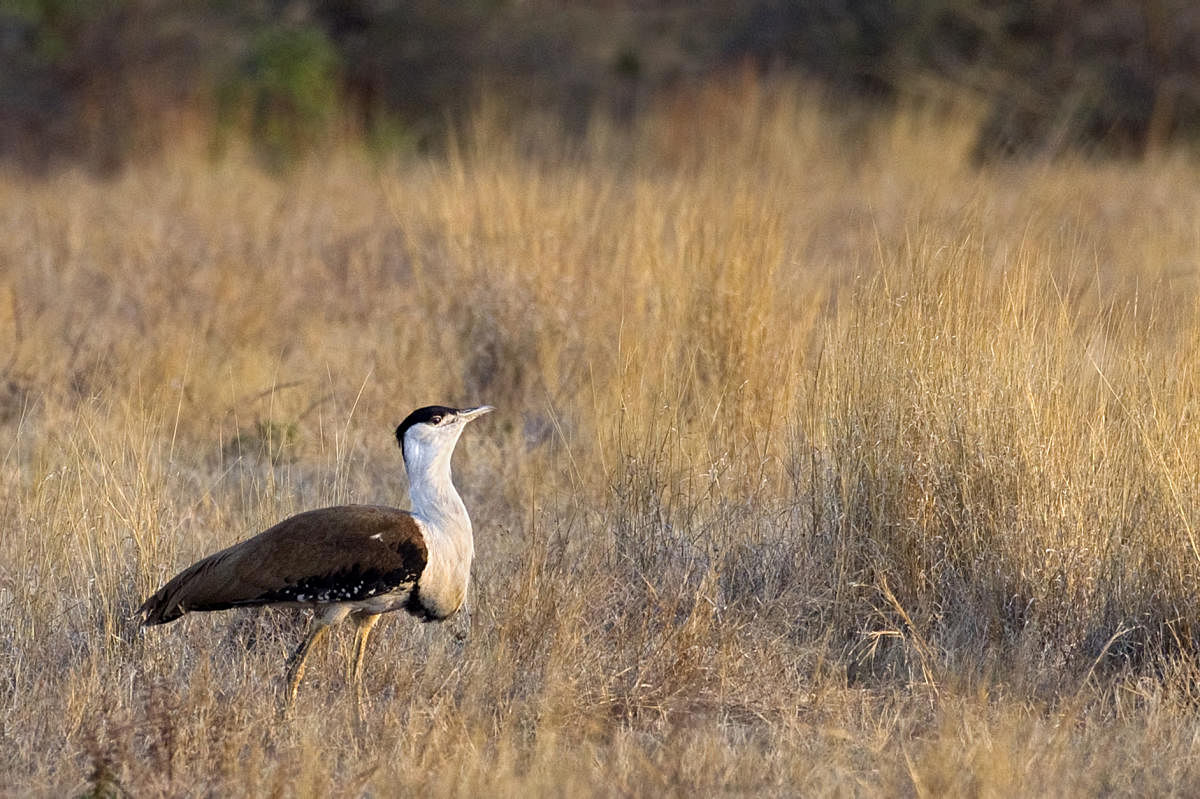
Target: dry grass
(826, 464)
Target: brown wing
(337, 554)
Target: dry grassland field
(826, 463)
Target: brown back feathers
(340, 554)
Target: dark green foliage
(287, 85)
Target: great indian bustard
(352, 560)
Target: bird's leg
(295, 664)
(317, 628)
(364, 623)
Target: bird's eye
(436, 419)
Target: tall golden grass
(826, 463)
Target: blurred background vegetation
(101, 82)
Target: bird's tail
(201, 586)
(161, 607)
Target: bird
(356, 561)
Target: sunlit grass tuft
(824, 463)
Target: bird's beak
(467, 414)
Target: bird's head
(428, 434)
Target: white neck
(431, 492)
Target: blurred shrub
(94, 81)
(87, 80)
(413, 59)
(1117, 76)
(287, 87)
